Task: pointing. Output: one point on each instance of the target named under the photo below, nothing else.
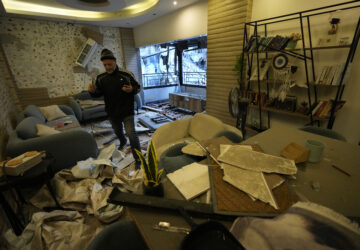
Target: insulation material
(54, 230)
(305, 225)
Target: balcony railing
(159, 80)
(194, 78)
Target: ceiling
(114, 13)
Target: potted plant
(239, 69)
(152, 174)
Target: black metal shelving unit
(305, 54)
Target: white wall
(187, 22)
(346, 121)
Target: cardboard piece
(296, 152)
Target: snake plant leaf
(159, 175)
(144, 165)
(152, 161)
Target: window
(181, 62)
(194, 65)
(158, 66)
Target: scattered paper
(107, 152)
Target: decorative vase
(154, 190)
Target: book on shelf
(330, 74)
(267, 43)
(275, 43)
(323, 109)
(284, 42)
(339, 73)
(317, 107)
(250, 43)
(260, 43)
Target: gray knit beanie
(107, 54)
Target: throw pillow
(32, 110)
(43, 130)
(26, 129)
(52, 112)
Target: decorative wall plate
(280, 61)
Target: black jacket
(118, 104)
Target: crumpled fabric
(82, 194)
(54, 230)
(129, 181)
(305, 225)
(104, 211)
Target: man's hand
(127, 88)
(91, 88)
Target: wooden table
(337, 190)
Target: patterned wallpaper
(7, 105)
(43, 53)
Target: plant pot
(154, 190)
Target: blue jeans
(117, 125)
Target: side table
(41, 173)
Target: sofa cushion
(170, 132)
(26, 129)
(65, 119)
(43, 130)
(32, 110)
(52, 112)
(203, 126)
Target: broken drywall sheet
(194, 148)
(273, 180)
(247, 159)
(251, 182)
(191, 180)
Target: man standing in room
(118, 86)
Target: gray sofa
(67, 147)
(96, 111)
(89, 113)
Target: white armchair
(197, 128)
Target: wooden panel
(130, 53)
(96, 36)
(3, 141)
(225, 33)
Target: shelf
(299, 86)
(285, 112)
(300, 49)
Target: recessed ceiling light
(175, 3)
